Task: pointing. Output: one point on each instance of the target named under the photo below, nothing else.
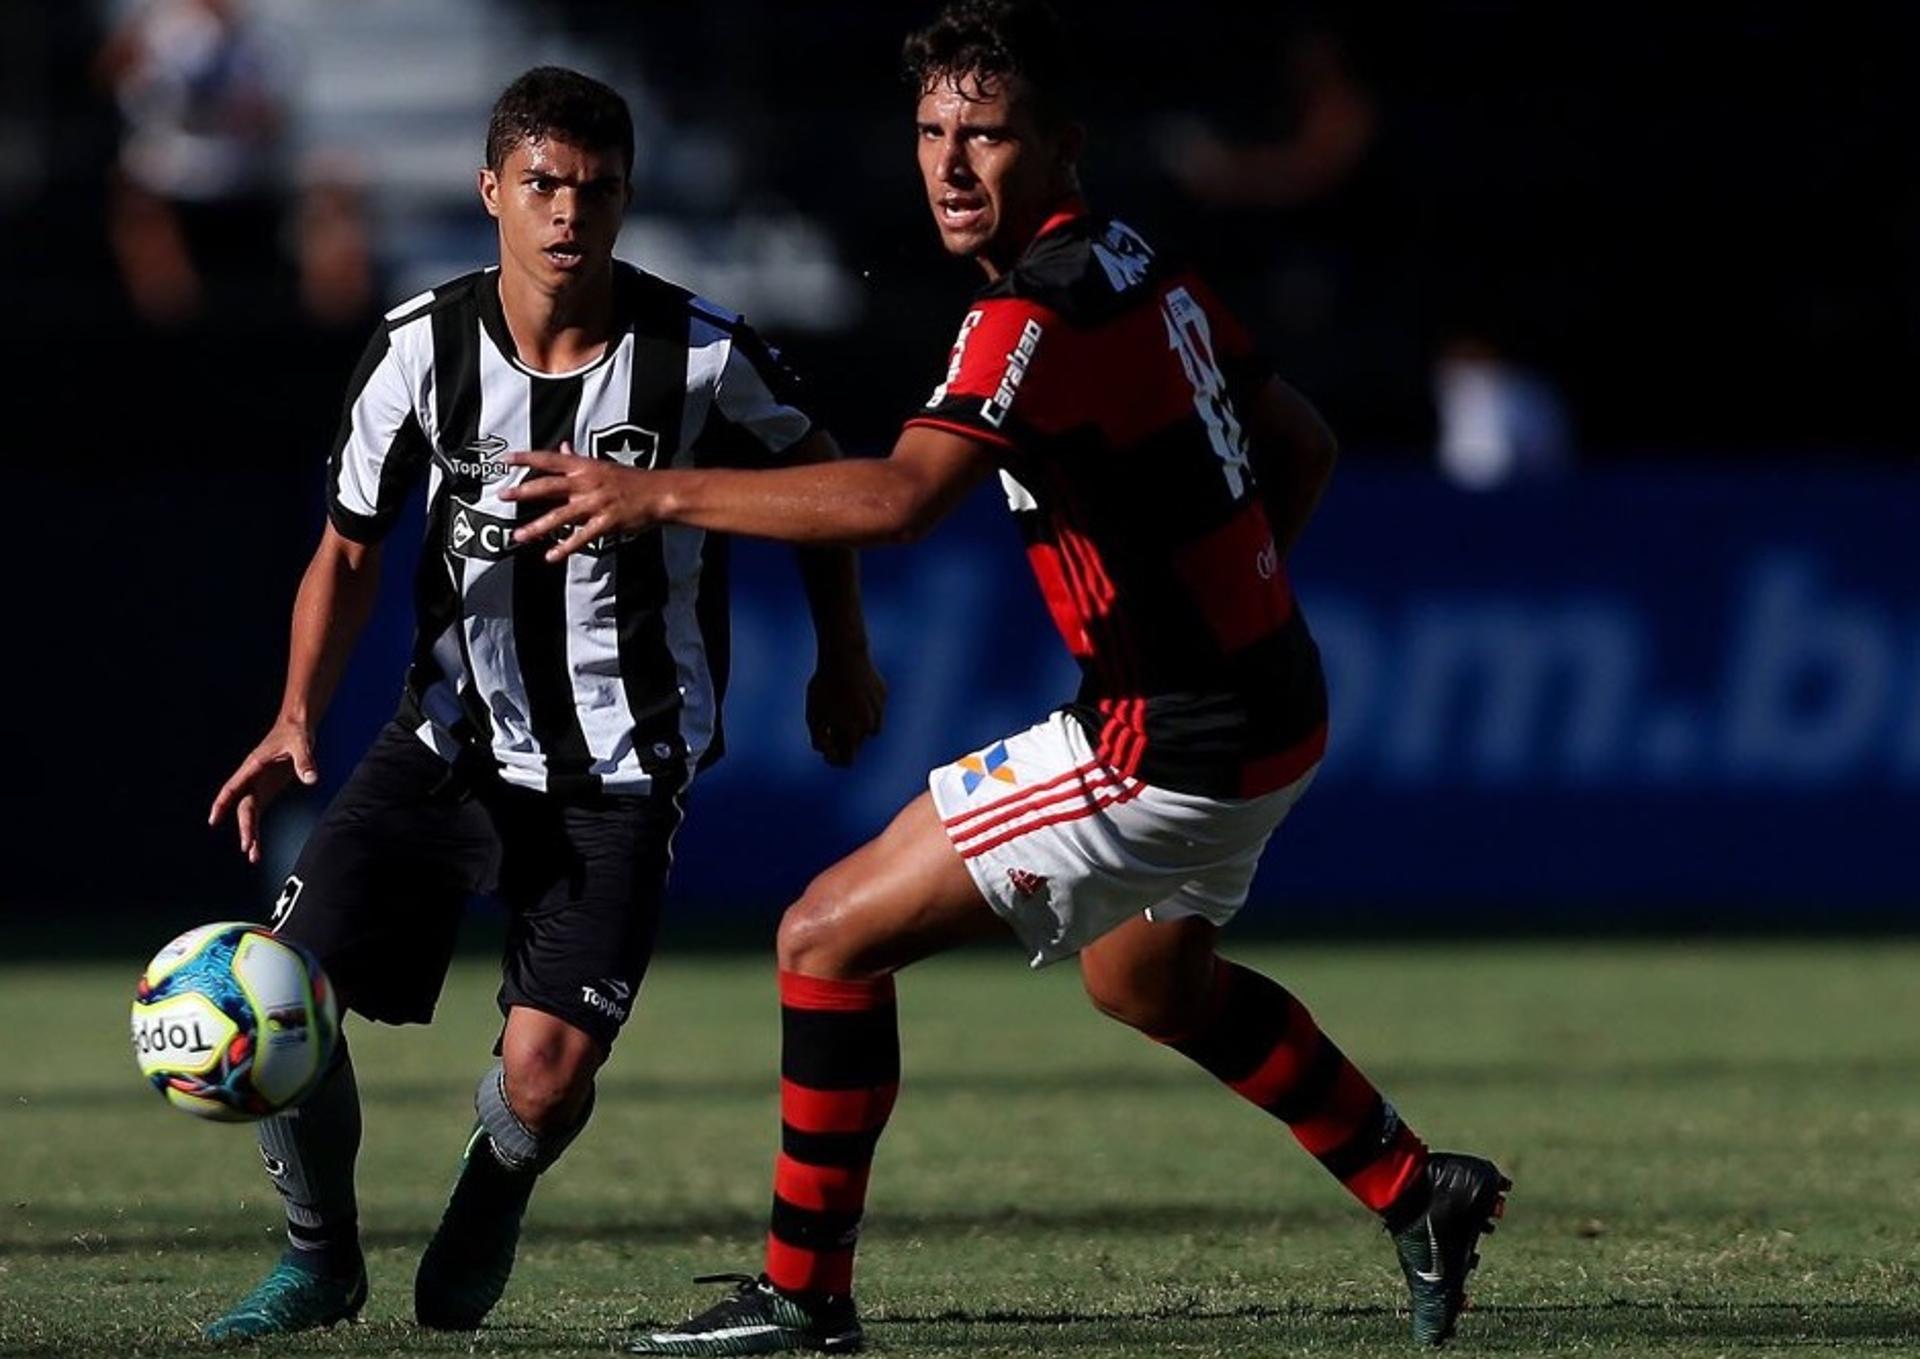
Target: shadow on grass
(1527, 1328)
(1662, 1327)
(1552, 1070)
(380, 1338)
(678, 1228)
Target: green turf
(1715, 1149)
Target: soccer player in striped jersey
(554, 714)
(1160, 473)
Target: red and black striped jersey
(1106, 380)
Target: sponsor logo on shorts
(991, 764)
(613, 1006)
(1027, 883)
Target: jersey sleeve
(380, 450)
(755, 418)
(989, 392)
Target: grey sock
(516, 1146)
(309, 1151)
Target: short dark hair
(994, 40)
(551, 101)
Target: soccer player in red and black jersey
(1161, 473)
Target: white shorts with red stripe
(1065, 848)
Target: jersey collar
(1065, 214)
(493, 319)
(1069, 211)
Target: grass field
(1717, 1152)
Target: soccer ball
(233, 1023)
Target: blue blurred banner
(1635, 691)
(1633, 694)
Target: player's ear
(488, 182)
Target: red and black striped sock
(1264, 1045)
(839, 1072)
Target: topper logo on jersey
(475, 534)
(479, 461)
(627, 444)
(996, 411)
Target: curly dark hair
(993, 40)
(551, 101)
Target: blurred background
(1614, 307)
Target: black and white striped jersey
(605, 671)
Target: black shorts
(380, 887)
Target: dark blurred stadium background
(1614, 306)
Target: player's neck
(557, 332)
(1063, 207)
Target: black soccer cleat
(467, 1264)
(758, 1318)
(1438, 1249)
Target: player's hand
(846, 699)
(285, 754)
(593, 498)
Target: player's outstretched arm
(846, 698)
(855, 503)
(1293, 454)
(336, 597)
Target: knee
(821, 936)
(548, 1081)
(805, 942)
